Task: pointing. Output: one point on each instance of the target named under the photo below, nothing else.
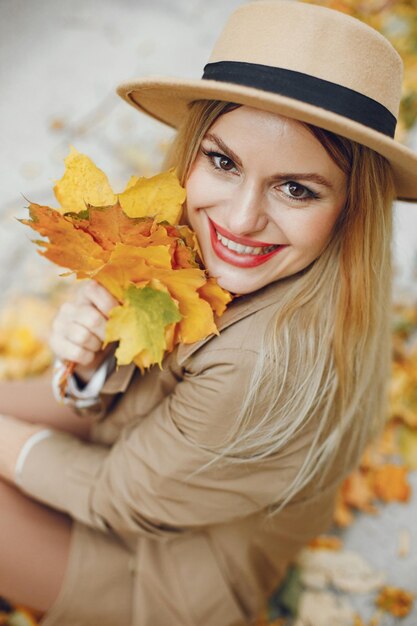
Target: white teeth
(237, 247)
(240, 249)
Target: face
(263, 196)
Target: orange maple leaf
(69, 245)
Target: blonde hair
(325, 356)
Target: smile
(237, 251)
(240, 249)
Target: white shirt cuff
(90, 394)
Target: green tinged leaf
(140, 323)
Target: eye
(223, 162)
(295, 191)
(219, 161)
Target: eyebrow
(309, 176)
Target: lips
(240, 258)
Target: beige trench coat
(205, 553)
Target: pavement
(60, 63)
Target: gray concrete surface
(59, 64)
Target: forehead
(271, 138)
(247, 124)
(244, 114)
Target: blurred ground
(60, 62)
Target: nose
(247, 212)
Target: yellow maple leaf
(197, 321)
(139, 325)
(160, 196)
(215, 295)
(83, 183)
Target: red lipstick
(236, 258)
(245, 241)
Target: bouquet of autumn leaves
(132, 245)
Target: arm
(147, 482)
(32, 401)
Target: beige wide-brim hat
(303, 61)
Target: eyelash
(211, 155)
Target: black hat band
(308, 89)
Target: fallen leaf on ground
(343, 569)
(390, 483)
(394, 600)
(24, 327)
(322, 608)
(326, 542)
(355, 492)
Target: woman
(184, 494)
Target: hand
(13, 435)
(78, 329)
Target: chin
(240, 287)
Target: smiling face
(263, 196)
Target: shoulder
(215, 378)
(247, 332)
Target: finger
(92, 319)
(83, 337)
(99, 296)
(65, 313)
(86, 315)
(68, 351)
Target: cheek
(197, 186)
(312, 231)
(196, 198)
(205, 189)
(192, 182)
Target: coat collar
(240, 307)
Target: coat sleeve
(148, 481)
